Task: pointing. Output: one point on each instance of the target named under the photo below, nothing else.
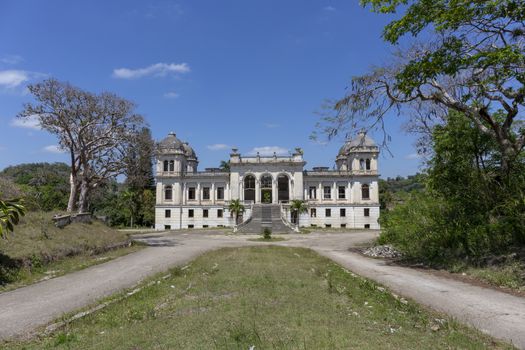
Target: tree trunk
(72, 193)
(82, 200)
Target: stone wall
(62, 221)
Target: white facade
(346, 197)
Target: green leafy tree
(469, 59)
(10, 213)
(466, 213)
(236, 208)
(297, 207)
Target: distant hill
(45, 186)
(393, 191)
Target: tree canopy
(464, 56)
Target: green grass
(37, 247)
(268, 297)
(509, 275)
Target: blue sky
(246, 73)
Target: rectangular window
(165, 165)
(328, 213)
(191, 213)
(313, 213)
(367, 211)
(312, 192)
(328, 225)
(343, 225)
(220, 192)
(172, 165)
(206, 193)
(191, 226)
(313, 225)
(167, 213)
(367, 225)
(205, 213)
(342, 192)
(205, 226)
(327, 192)
(342, 213)
(191, 193)
(219, 213)
(167, 227)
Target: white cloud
(13, 78)
(30, 122)
(271, 125)
(218, 147)
(329, 8)
(157, 70)
(413, 156)
(11, 59)
(269, 150)
(53, 149)
(171, 94)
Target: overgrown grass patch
(37, 247)
(271, 239)
(508, 275)
(267, 297)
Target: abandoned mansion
(345, 197)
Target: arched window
(367, 164)
(266, 181)
(365, 191)
(249, 188)
(172, 165)
(361, 164)
(168, 193)
(165, 165)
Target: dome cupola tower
(358, 154)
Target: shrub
(267, 233)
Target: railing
(284, 219)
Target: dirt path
(496, 313)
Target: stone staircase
(265, 215)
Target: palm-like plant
(10, 213)
(225, 165)
(298, 207)
(236, 208)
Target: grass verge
(272, 239)
(39, 250)
(266, 297)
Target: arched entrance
(249, 188)
(283, 188)
(266, 188)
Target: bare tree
(95, 129)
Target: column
(198, 194)
(212, 194)
(274, 191)
(335, 191)
(184, 196)
(241, 190)
(257, 191)
(320, 193)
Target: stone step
(265, 215)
